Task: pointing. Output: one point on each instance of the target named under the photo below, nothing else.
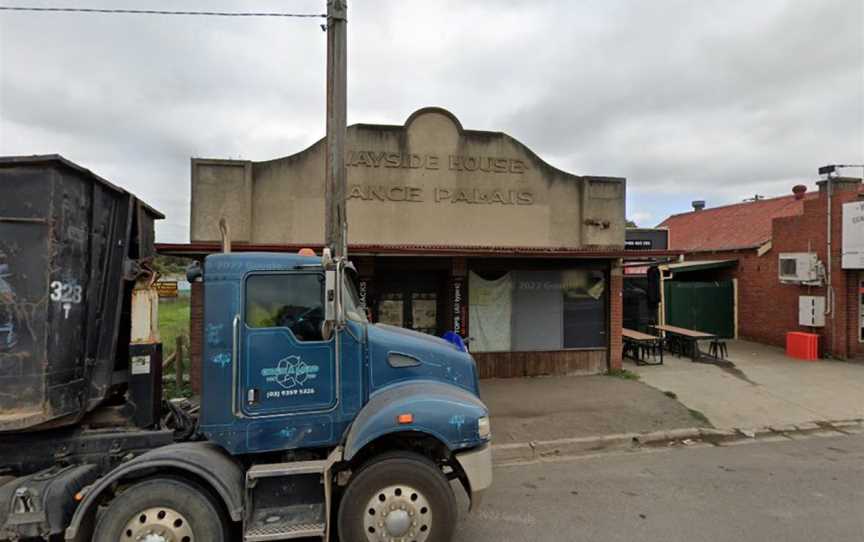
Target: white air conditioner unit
(800, 268)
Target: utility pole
(336, 217)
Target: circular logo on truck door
(291, 372)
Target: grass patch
(622, 373)
(670, 394)
(697, 415)
(171, 391)
(173, 322)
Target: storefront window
(584, 309)
(538, 310)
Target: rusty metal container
(72, 246)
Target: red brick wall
(768, 309)
(616, 316)
(196, 335)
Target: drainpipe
(829, 290)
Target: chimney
(799, 190)
(698, 205)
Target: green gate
(701, 306)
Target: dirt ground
(548, 408)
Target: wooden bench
(640, 345)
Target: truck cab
(285, 337)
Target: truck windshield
(351, 299)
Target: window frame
(283, 273)
(607, 308)
(482, 269)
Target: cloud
(714, 100)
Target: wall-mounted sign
(853, 235)
(439, 195)
(460, 323)
(636, 270)
(485, 164)
(638, 244)
(167, 288)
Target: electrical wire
(165, 12)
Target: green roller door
(702, 306)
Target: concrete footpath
(761, 387)
(758, 393)
(548, 417)
(548, 408)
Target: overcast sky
(714, 100)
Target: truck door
(286, 365)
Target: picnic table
(639, 345)
(686, 339)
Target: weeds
(622, 373)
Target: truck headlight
(484, 428)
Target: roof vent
(799, 190)
(698, 205)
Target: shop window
(584, 294)
(293, 301)
(538, 310)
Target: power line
(164, 12)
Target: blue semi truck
(313, 422)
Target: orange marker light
(404, 419)
(79, 497)
(306, 252)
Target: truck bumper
(477, 466)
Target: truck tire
(177, 510)
(402, 496)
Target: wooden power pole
(335, 191)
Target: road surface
(803, 490)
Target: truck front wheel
(399, 496)
(162, 509)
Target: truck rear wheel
(400, 496)
(163, 509)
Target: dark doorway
(414, 300)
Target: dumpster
(71, 246)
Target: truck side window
(295, 301)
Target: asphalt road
(804, 490)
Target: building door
(414, 302)
(701, 306)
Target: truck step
(286, 469)
(286, 523)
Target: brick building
(753, 237)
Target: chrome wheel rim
(157, 525)
(397, 513)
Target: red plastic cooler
(802, 345)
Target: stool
(718, 349)
(673, 344)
